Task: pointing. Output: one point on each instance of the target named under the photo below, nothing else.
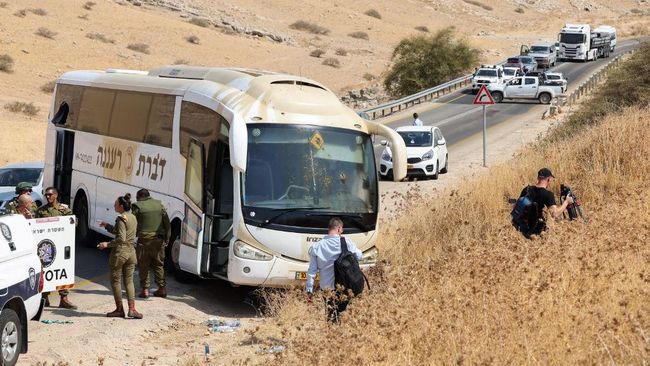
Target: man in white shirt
(416, 120)
(322, 256)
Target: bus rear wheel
(83, 234)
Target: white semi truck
(579, 42)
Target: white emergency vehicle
(21, 282)
(35, 255)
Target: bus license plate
(303, 276)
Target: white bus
(250, 165)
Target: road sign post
(484, 98)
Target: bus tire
(11, 335)
(175, 249)
(83, 233)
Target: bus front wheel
(175, 252)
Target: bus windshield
(298, 167)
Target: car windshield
(416, 138)
(539, 49)
(553, 77)
(513, 60)
(296, 167)
(13, 176)
(572, 38)
(509, 72)
(486, 72)
(526, 60)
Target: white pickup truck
(525, 87)
(35, 255)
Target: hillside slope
(78, 35)
(458, 285)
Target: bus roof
(257, 95)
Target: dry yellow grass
(458, 285)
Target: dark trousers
(336, 303)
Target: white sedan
(12, 174)
(426, 150)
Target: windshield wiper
(356, 219)
(286, 211)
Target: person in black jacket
(542, 197)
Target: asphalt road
(458, 118)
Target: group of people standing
(142, 230)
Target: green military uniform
(122, 259)
(12, 207)
(154, 231)
(52, 211)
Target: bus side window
(96, 105)
(71, 95)
(161, 117)
(129, 117)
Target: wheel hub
(9, 341)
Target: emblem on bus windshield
(46, 252)
(317, 140)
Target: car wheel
(545, 98)
(497, 96)
(437, 172)
(446, 168)
(11, 336)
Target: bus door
(63, 164)
(218, 210)
(189, 251)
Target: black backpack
(524, 214)
(347, 272)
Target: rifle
(574, 209)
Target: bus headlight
(243, 250)
(369, 256)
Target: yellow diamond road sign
(317, 141)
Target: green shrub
(302, 25)
(89, 5)
(359, 35)
(341, 52)
(369, 76)
(423, 61)
(6, 63)
(373, 13)
(38, 11)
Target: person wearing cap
(540, 195)
(51, 209)
(12, 207)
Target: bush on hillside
(139, 47)
(6, 63)
(302, 25)
(422, 28)
(373, 13)
(89, 5)
(193, 39)
(341, 52)
(46, 33)
(38, 11)
(48, 87)
(332, 62)
(201, 22)
(359, 35)
(423, 61)
(317, 53)
(26, 108)
(99, 37)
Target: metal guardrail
(411, 100)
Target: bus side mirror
(238, 141)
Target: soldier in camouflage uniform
(122, 259)
(50, 209)
(153, 234)
(12, 206)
